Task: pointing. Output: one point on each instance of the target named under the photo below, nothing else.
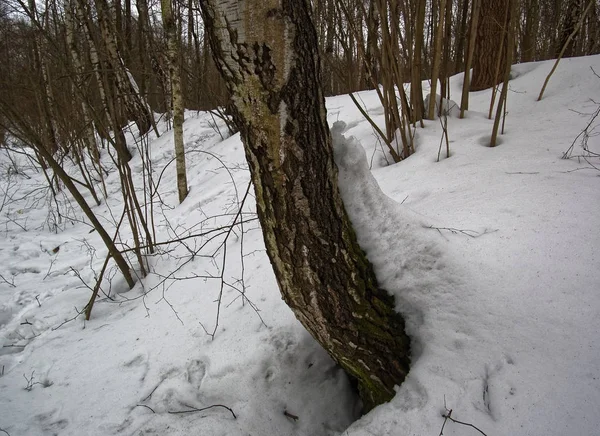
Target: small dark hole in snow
(485, 140)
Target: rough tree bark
(490, 33)
(272, 71)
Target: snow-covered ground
(493, 255)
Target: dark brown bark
(323, 274)
(571, 15)
(593, 44)
(461, 36)
(532, 17)
(490, 33)
(416, 93)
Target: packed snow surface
(492, 255)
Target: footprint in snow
(195, 372)
(498, 389)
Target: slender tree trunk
(272, 71)
(567, 42)
(437, 58)
(149, 52)
(108, 241)
(89, 136)
(372, 51)
(127, 34)
(509, 36)
(461, 37)
(136, 108)
(109, 116)
(464, 101)
(416, 94)
(173, 55)
(445, 70)
(45, 97)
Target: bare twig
(194, 409)
(151, 392)
(90, 305)
(290, 415)
(583, 137)
(466, 232)
(447, 416)
(79, 312)
(147, 407)
(30, 382)
(52, 260)
(11, 283)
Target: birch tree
(172, 37)
(272, 71)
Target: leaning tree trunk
(272, 72)
(137, 109)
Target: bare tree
(272, 71)
(170, 28)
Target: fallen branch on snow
(448, 416)
(466, 232)
(194, 409)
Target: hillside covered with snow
(492, 255)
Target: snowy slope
(504, 324)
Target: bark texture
(272, 72)
(488, 45)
